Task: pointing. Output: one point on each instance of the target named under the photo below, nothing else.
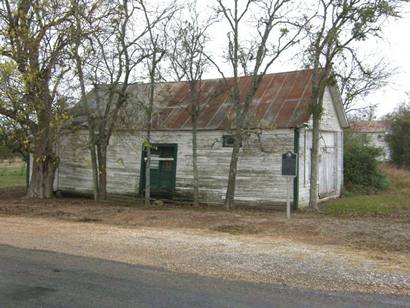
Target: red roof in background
(281, 101)
(369, 126)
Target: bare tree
(366, 113)
(189, 62)
(253, 58)
(34, 40)
(337, 28)
(157, 23)
(83, 27)
(105, 47)
(356, 80)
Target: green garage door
(162, 170)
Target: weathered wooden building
(280, 122)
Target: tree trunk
(94, 170)
(91, 129)
(314, 167)
(44, 159)
(317, 110)
(27, 159)
(94, 157)
(230, 191)
(154, 63)
(195, 158)
(147, 196)
(102, 171)
(42, 173)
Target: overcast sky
(394, 47)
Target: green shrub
(362, 170)
(399, 137)
(6, 152)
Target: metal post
(288, 197)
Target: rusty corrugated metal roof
(281, 101)
(369, 126)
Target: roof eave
(338, 104)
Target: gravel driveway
(246, 257)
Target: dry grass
(399, 178)
(394, 202)
(238, 229)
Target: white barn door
(327, 164)
(327, 170)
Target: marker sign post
(289, 170)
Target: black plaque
(289, 163)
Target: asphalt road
(30, 278)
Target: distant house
(375, 133)
(280, 122)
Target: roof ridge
(221, 78)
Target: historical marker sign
(289, 164)
(289, 169)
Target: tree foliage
(13, 140)
(398, 137)
(33, 46)
(361, 167)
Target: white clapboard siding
(331, 162)
(259, 177)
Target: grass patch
(395, 201)
(379, 204)
(12, 173)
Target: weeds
(395, 201)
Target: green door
(162, 170)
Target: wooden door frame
(174, 147)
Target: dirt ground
(378, 234)
(357, 254)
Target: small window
(228, 141)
